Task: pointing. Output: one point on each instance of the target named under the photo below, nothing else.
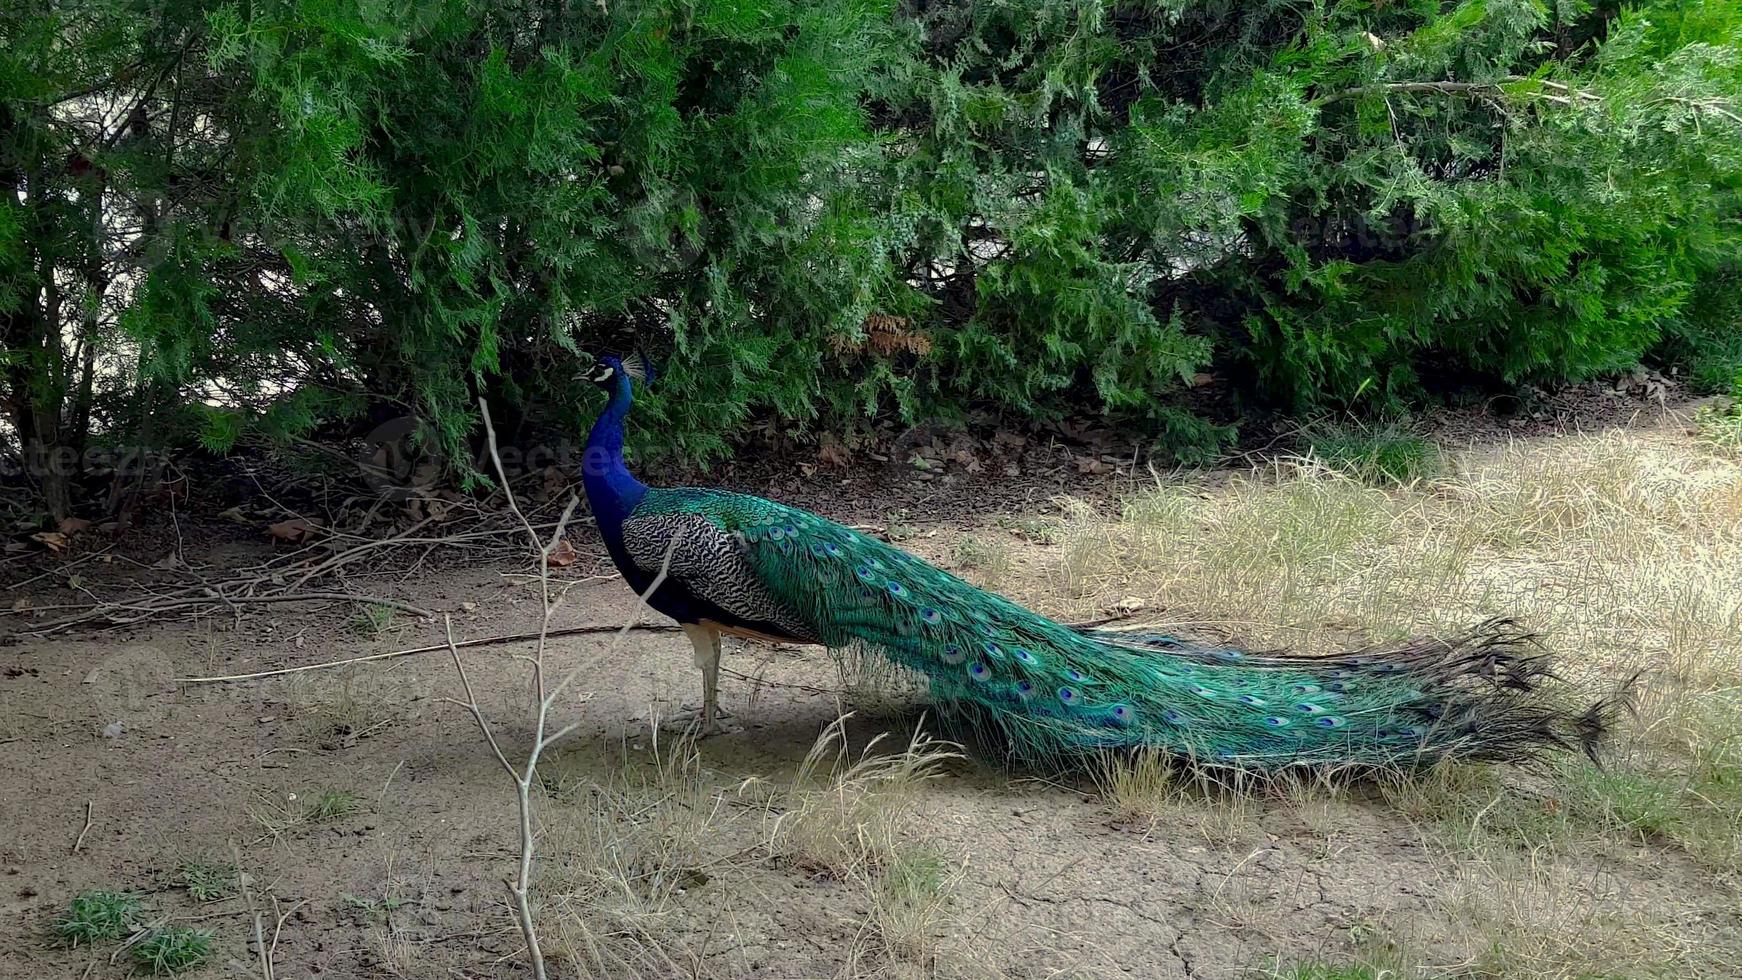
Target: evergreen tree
(273, 219)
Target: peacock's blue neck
(611, 489)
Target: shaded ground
(373, 808)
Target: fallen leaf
(234, 515)
(54, 540)
(70, 526)
(292, 531)
(562, 556)
(834, 454)
(75, 581)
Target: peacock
(730, 564)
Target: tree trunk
(31, 332)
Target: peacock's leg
(707, 645)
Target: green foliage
(97, 915)
(1385, 452)
(372, 619)
(229, 223)
(1707, 338)
(331, 804)
(1722, 427)
(172, 950)
(208, 882)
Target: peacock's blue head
(606, 370)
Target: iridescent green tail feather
(1052, 691)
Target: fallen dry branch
(490, 641)
(483, 641)
(287, 578)
(113, 613)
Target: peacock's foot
(688, 718)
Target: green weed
(97, 915)
(331, 805)
(207, 882)
(1377, 453)
(372, 620)
(172, 950)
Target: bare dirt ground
(368, 811)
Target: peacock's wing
(850, 589)
(708, 561)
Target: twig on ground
(277, 580)
(383, 797)
(278, 926)
(90, 806)
(260, 948)
(62, 569)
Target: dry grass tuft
(1533, 916)
(396, 954)
(621, 855)
(914, 929)
(1147, 788)
(843, 816)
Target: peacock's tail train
(1051, 691)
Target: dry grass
(623, 856)
(844, 816)
(983, 558)
(852, 817)
(1533, 915)
(396, 954)
(1721, 427)
(915, 927)
(620, 855)
(1622, 550)
(1148, 788)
